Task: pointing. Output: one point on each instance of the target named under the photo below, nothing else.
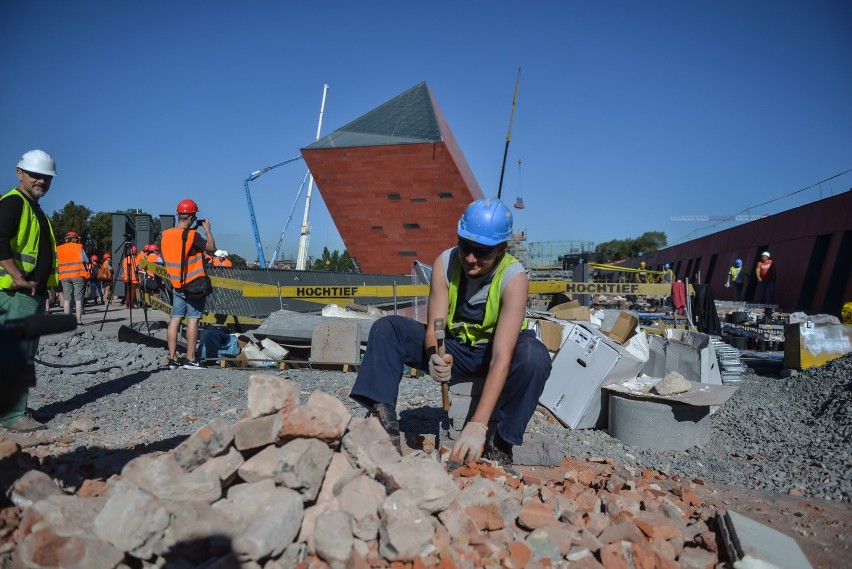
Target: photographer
(183, 254)
(28, 265)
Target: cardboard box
(578, 313)
(624, 328)
(550, 334)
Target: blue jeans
(395, 342)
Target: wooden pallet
(243, 363)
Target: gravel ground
(773, 434)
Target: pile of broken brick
(307, 485)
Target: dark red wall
(811, 246)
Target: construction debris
(289, 485)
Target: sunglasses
(481, 252)
(37, 176)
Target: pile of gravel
(773, 434)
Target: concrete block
(751, 543)
(336, 342)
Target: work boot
(26, 424)
(387, 417)
(498, 450)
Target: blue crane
(254, 176)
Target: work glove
(728, 285)
(440, 368)
(470, 443)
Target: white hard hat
(38, 161)
(224, 253)
(765, 253)
(219, 253)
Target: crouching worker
(481, 293)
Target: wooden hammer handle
(445, 387)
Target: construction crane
(718, 217)
(261, 260)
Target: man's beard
(37, 192)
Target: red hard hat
(187, 206)
(133, 250)
(154, 248)
(147, 248)
(93, 258)
(107, 256)
(72, 234)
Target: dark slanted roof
(408, 118)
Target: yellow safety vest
(25, 245)
(469, 333)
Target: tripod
(129, 269)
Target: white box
(587, 360)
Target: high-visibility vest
(128, 265)
(173, 248)
(217, 262)
(105, 272)
(70, 258)
(470, 333)
(25, 245)
(152, 258)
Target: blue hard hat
(739, 262)
(668, 266)
(486, 221)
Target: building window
(445, 195)
(394, 197)
(376, 228)
(411, 225)
(408, 253)
(418, 200)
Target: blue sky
(628, 113)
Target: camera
(199, 223)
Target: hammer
(439, 336)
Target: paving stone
(32, 487)
(257, 432)
(323, 417)
(405, 532)
(423, 478)
(368, 445)
(268, 394)
(332, 539)
(210, 440)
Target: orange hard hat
(187, 206)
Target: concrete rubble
(292, 485)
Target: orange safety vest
(152, 258)
(129, 275)
(70, 259)
(170, 246)
(217, 262)
(105, 272)
(762, 268)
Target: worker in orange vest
(130, 277)
(183, 255)
(105, 275)
(72, 273)
(221, 259)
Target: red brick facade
(393, 204)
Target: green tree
(649, 242)
(100, 227)
(72, 217)
(336, 261)
(237, 260)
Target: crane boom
(261, 260)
